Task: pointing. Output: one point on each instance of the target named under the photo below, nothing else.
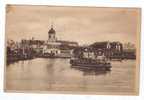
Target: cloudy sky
(82, 24)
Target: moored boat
(90, 64)
(91, 60)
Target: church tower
(51, 35)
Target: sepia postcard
(72, 49)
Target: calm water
(57, 75)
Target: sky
(84, 25)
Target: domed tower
(52, 34)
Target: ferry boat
(88, 63)
(91, 60)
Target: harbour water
(43, 74)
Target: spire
(52, 31)
(51, 34)
(52, 24)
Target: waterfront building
(129, 50)
(110, 49)
(59, 48)
(129, 47)
(35, 45)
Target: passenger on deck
(101, 58)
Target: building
(129, 51)
(58, 48)
(110, 49)
(35, 45)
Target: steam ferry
(88, 58)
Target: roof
(67, 42)
(104, 44)
(51, 31)
(32, 42)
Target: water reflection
(50, 73)
(59, 75)
(9, 63)
(91, 71)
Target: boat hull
(96, 65)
